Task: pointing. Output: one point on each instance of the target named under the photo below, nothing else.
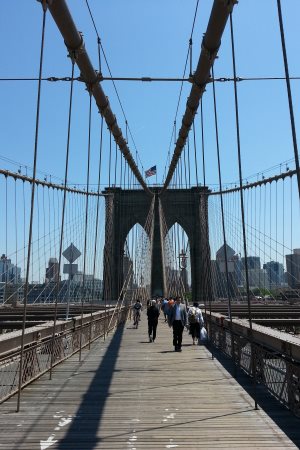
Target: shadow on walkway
(283, 418)
(84, 427)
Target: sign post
(71, 254)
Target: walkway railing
(276, 356)
(70, 337)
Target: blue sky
(143, 38)
(150, 38)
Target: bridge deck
(130, 394)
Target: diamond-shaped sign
(71, 253)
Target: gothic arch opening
(136, 268)
(177, 260)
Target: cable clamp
(99, 77)
(75, 51)
(90, 84)
(210, 54)
(201, 86)
(229, 4)
(44, 4)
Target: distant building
(92, 288)
(220, 255)
(9, 273)
(219, 272)
(253, 262)
(52, 271)
(257, 278)
(293, 269)
(275, 272)
(11, 292)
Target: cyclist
(137, 307)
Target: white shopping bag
(203, 335)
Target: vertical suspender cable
(291, 214)
(96, 231)
(276, 227)
(283, 225)
(221, 200)
(38, 232)
(6, 248)
(195, 154)
(63, 220)
(289, 92)
(24, 223)
(184, 160)
(265, 212)
(16, 278)
(189, 161)
(121, 172)
(86, 221)
(116, 163)
(109, 160)
(191, 55)
(242, 204)
(202, 139)
(44, 6)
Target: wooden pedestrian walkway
(127, 393)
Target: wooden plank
(127, 393)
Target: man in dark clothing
(152, 313)
(178, 320)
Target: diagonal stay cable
(111, 77)
(75, 44)
(210, 46)
(181, 86)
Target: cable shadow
(94, 400)
(163, 386)
(167, 351)
(283, 418)
(174, 425)
(50, 401)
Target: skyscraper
(293, 268)
(52, 273)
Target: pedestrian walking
(164, 308)
(195, 321)
(153, 314)
(178, 320)
(137, 308)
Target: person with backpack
(195, 321)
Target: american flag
(150, 172)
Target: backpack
(192, 316)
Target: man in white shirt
(195, 321)
(178, 320)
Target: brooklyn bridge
(120, 182)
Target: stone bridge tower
(187, 207)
